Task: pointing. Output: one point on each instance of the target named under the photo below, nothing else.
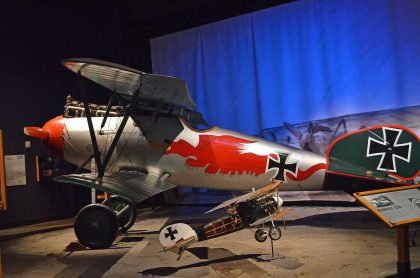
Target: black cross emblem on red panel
(282, 166)
(389, 149)
(171, 233)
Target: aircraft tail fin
(177, 238)
(388, 153)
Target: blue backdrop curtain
(306, 60)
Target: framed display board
(395, 206)
(14, 166)
(3, 204)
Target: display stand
(267, 258)
(272, 248)
(397, 207)
(403, 264)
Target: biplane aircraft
(251, 210)
(149, 139)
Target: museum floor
(319, 241)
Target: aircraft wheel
(127, 217)
(96, 226)
(260, 235)
(274, 233)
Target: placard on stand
(397, 207)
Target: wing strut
(127, 114)
(97, 153)
(154, 116)
(95, 147)
(108, 108)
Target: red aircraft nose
(51, 134)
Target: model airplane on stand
(144, 142)
(251, 210)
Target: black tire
(261, 235)
(96, 226)
(126, 219)
(274, 233)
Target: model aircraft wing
(232, 201)
(272, 217)
(133, 186)
(125, 81)
(248, 196)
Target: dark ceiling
(109, 29)
(149, 19)
(36, 35)
(156, 18)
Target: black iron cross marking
(281, 166)
(171, 233)
(388, 149)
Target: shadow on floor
(219, 259)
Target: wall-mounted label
(15, 169)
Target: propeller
(279, 199)
(280, 204)
(36, 132)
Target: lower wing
(134, 186)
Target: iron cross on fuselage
(389, 149)
(282, 166)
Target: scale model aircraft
(251, 210)
(150, 142)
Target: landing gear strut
(125, 210)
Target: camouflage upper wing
(125, 81)
(133, 186)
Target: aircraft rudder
(177, 237)
(390, 153)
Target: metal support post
(272, 248)
(403, 264)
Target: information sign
(395, 206)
